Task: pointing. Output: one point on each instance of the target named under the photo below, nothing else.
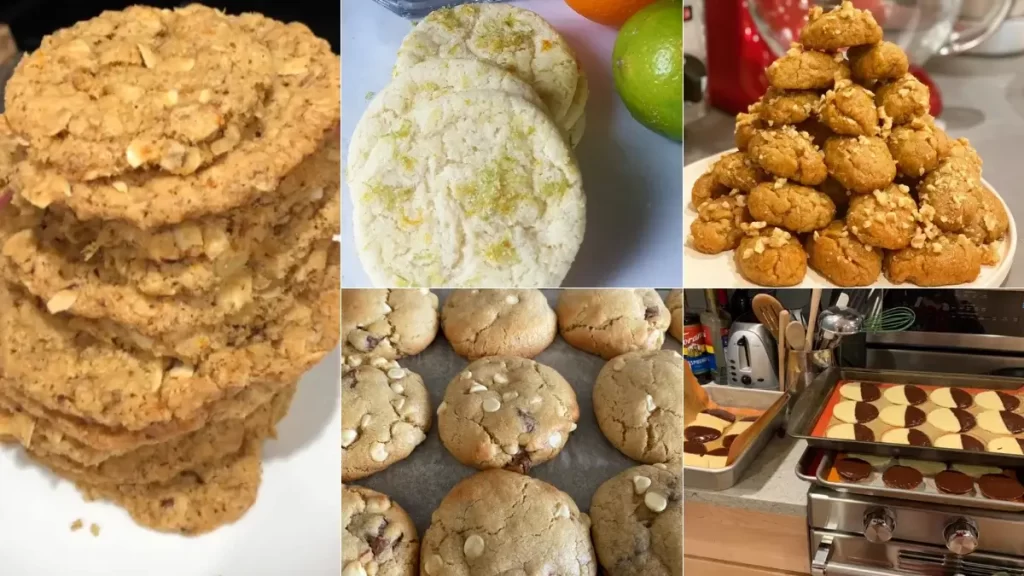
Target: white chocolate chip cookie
(389, 324)
(377, 537)
(506, 412)
(500, 522)
(674, 303)
(385, 415)
(479, 323)
(612, 322)
(638, 401)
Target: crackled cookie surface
(500, 522)
(637, 521)
(480, 323)
(506, 412)
(385, 415)
(638, 401)
(388, 324)
(612, 322)
(377, 537)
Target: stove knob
(879, 524)
(962, 536)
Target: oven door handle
(820, 560)
(822, 564)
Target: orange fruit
(608, 12)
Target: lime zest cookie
(509, 37)
(473, 189)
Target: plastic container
(420, 8)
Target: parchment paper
(422, 480)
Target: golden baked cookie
(781, 107)
(787, 153)
(736, 171)
(377, 537)
(612, 322)
(801, 69)
(991, 222)
(388, 323)
(747, 124)
(952, 194)
(841, 27)
(674, 302)
(862, 164)
(885, 218)
(706, 188)
(917, 147)
(791, 206)
(479, 323)
(717, 227)
(945, 260)
(903, 99)
(877, 62)
(841, 258)
(849, 109)
(771, 256)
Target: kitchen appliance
(752, 355)
(1008, 40)
(695, 70)
(866, 533)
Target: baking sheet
(422, 480)
(828, 419)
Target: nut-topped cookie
(385, 415)
(638, 401)
(612, 322)
(388, 324)
(377, 537)
(637, 520)
(506, 412)
(479, 323)
(500, 522)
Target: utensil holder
(802, 367)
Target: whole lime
(647, 64)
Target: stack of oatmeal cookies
(166, 255)
(841, 167)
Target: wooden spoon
(767, 309)
(812, 319)
(783, 350)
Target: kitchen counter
(983, 101)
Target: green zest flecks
(393, 198)
(553, 190)
(502, 253)
(498, 188)
(504, 36)
(403, 131)
(446, 18)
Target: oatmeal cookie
(789, 154)
(612, 322)
(841, 27)
(479, 323)
(861, 164)
(849, 109)
(878, 62)
(770, 256)
(841, 258)
(801, 69)
(781, 107)
(388, 323)
(791, 206)
(945, 260)
(917, 147)
(885, 218)
(736, 171)
(717, 227)
(903, 99)
(507, 412)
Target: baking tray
(929, 494)
(422, 480)
(812, 402)
(732, 397)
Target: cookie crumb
(95, 529)
(76, 525)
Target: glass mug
(923, 28)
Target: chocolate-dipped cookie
(1001, 422)
(855, 412)
(951, 398)
(903, 416)
(996, 400)
(701, 434)
(1006, 445)
(1000, 487)
(694, 453)
(853, 469)
(715, 418)
(953, 482)
(960, 442)
(902, 477)
(907, 436)
(905, 395)
(952, 419)
(858, 432)
(860, 391)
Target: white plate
(719, 271)
(294, 527)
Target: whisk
(892, 320)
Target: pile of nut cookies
(168, 266)
(840, 167)
(505, 414)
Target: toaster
(752, 357)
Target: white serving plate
(293, 528)
(719, 271)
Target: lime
(647, 64)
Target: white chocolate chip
(433, 565)
(641, 484)
(474, 546)
(491, 405)
(378, 452)
(355, 361)
(619, 364)
(396, 373)
(378, 362)
(467, 375)
(148, 58)
(398, 403)
(181, 370)
(353, 568)
(365, 421)
(119, 186)
(397, 388)
(655, 502)
(572, 427)
(510, 449)
(442, 407)
(378, 504)
(650, 403)
(561, 510)
(512, 299)
(348, 437)
(536, 400)
(555, 440)
(500, 379)
(477, 387)
(61, 301)
(510, 396)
